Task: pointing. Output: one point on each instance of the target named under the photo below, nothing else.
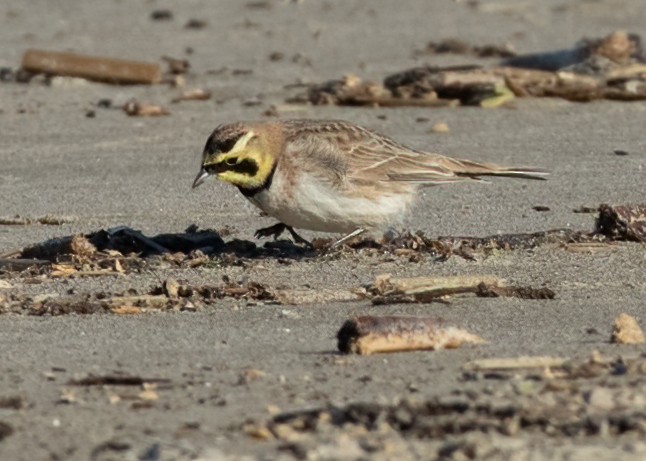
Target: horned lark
(330, 176)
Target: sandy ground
(235, 362)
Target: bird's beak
(201, 176)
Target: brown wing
(383, 159)
(355, 154)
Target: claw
(298, 239)
(276, 231)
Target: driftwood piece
(369, 335)
(424, 289)
(387, 289)
(516, 363)
(91, 67)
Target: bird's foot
(276, 231)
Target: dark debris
(195, 247)
(622, 222)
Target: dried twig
(516, 363)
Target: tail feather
(475, 170)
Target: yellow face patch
(245, 166)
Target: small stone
(196, 24)
(600, 398)
(171, 288)
(68, 397)
(440, 128)
(161, 15)
(626, 330)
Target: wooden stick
(100, 69)
(18, 264)
(427, 288)
(515, 363)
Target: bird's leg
(297, 238)
(277, 229)
(345, 238)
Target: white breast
(315, 205)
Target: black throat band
(264, 186)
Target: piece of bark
(492, 291)
(368, 335)
(622, 222)
(95, 68)
(626, 330)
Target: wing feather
(359, 156)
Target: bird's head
(240, 154)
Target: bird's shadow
(208, 242)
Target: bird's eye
(231, 161)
